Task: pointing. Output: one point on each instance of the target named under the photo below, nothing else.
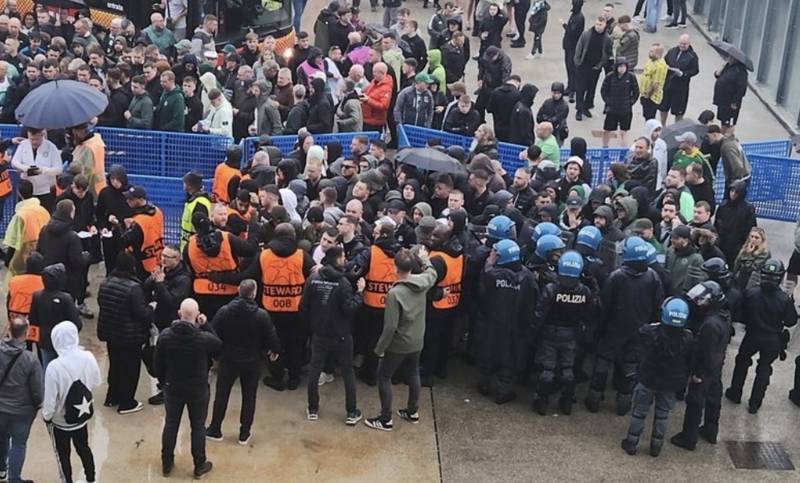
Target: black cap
(243, 195)
(398, 205)
(315, 215)
(135, 192)
(681, 231)
(194, 179)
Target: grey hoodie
(22, 391)
(73, 363)
(404, 316)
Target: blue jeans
(653, 12)
(14, 431)
(48, 356)
(297, 8)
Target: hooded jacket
(494, 72)
(436, 69)
(574, 27)
(53, 304)
(644, 171)
(684, 270)
(658, 150)
(320, 115)
(454, 61)
(58, 243)
(620, 92)
(610, 232)
(502, 102)
(631, 297)
(404, 316)
(329, 303)
(111, 201)
(631, 207)
(23, 391)
(125, 317)
(578, 147)
(521, 122)
(73, 363)
(246, 332)
(733, 221)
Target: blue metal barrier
(287, 143)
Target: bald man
(181, 364)
(377, 98)
(548, 143)
(683, 64)
(159, 34)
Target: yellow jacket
(651, 81)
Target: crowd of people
(316, 263)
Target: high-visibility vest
(153, 242)
(34, 217)
(20, 294)
(380, 278)
(5, 183)
(202, 265)
(282, 281)
(451, 280)
(222, 177)
(96, 145)
(187, 228)
(244, 216)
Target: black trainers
(244, 437)
(311, 415)
(274, 383)
(203, 470)
(623, 404)
(592, 401)
(565, 405)
(794, 396)
(629, 446)
(708, 434)
(166, 467)
(753, 407)
(157, 399)
(213, 434)
(293, 383)
(378, 423)
(412, 418)
(539, 405)
(680, 441)
(353, 417)
(733, 396)
(505, 398)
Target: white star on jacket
(83, 408)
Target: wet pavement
(462, 437)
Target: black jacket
(125, 317)
(52, 305)
(501, 105)
(574, 27)
(767, 310)
(59, 244)
(181, 358)
(712, 340)
(667, 358)
(320, 115)
(555, 112)
(731, 85)
(733, 222)
(111, 201)
(454, 61)
(460, 123)
(521, 122)
(418, 51)
(687, 62)
(297, 117)
(84, 209)
(169, 294)
(631, 298)
(118, 102)
(620, 93)
(246, 331)
(644, 171)
(561, 305)
(329, 303)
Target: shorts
(727, 115)
(675, 101)
(615, 121)
(794, 264)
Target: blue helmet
(635, 250)
(499, 228)
(507, 251)
(651, 254)
(675, 312)
(546, 244)
(589, 236)
(570, 264)
(545, 228)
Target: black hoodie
(53, 305)
(320, 115)
(329, 303)
(733, 222)
(246, 331)
(577, 147)
(59, 244)
(522, 121)
(111, 201)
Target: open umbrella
(430, 160)
(60, 104)
(669, 133)
(726, 49)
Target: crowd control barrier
(287, 143)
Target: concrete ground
(461, 436)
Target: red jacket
(379, 96)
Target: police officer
(447, 258)
(631, 298)
(766, 310)
(144, 232)
(716, 270)
(563, 307)
(508, 293)
(704, 399)
(595, 273)
(197, 201)
(544, 261)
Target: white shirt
(48, 158)
(174, 8)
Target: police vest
(282, 281)
(451, 281)
(202, 265)
(153, 242)
(20, 294)
(187, 228)
(380, 278)
(222, 178)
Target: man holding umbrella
(731, 84)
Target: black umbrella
(430, 160)
(726, 49)
(60, 104)
(669, 133)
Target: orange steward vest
(451, 281)
(282, 281)
(202, 265)
(380, 278)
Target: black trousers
(63, 442)
(198, 409)
(585, 87)
(369, 326)
(438, 331)
(408, 364)
(768, 347)
(340, 349)
(555, 358)
(293, 336)
(520, 16)
(248, 374)
(703, 403)
(572, 70)
(124, 364)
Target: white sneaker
(666, 17)
(311, 416)
(324, 378)
(638, 19)
(530, 56)
(139, 406)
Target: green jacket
(550, 150)
(436, 69)
(684, 270)
(404, 316)
(171, 111)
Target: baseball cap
(423, 77)
(574, 201)
(229, 49)
(210, 54)
(681, 231)
(135, 192)
(687, 137)
(184, 44)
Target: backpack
(78, 405)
